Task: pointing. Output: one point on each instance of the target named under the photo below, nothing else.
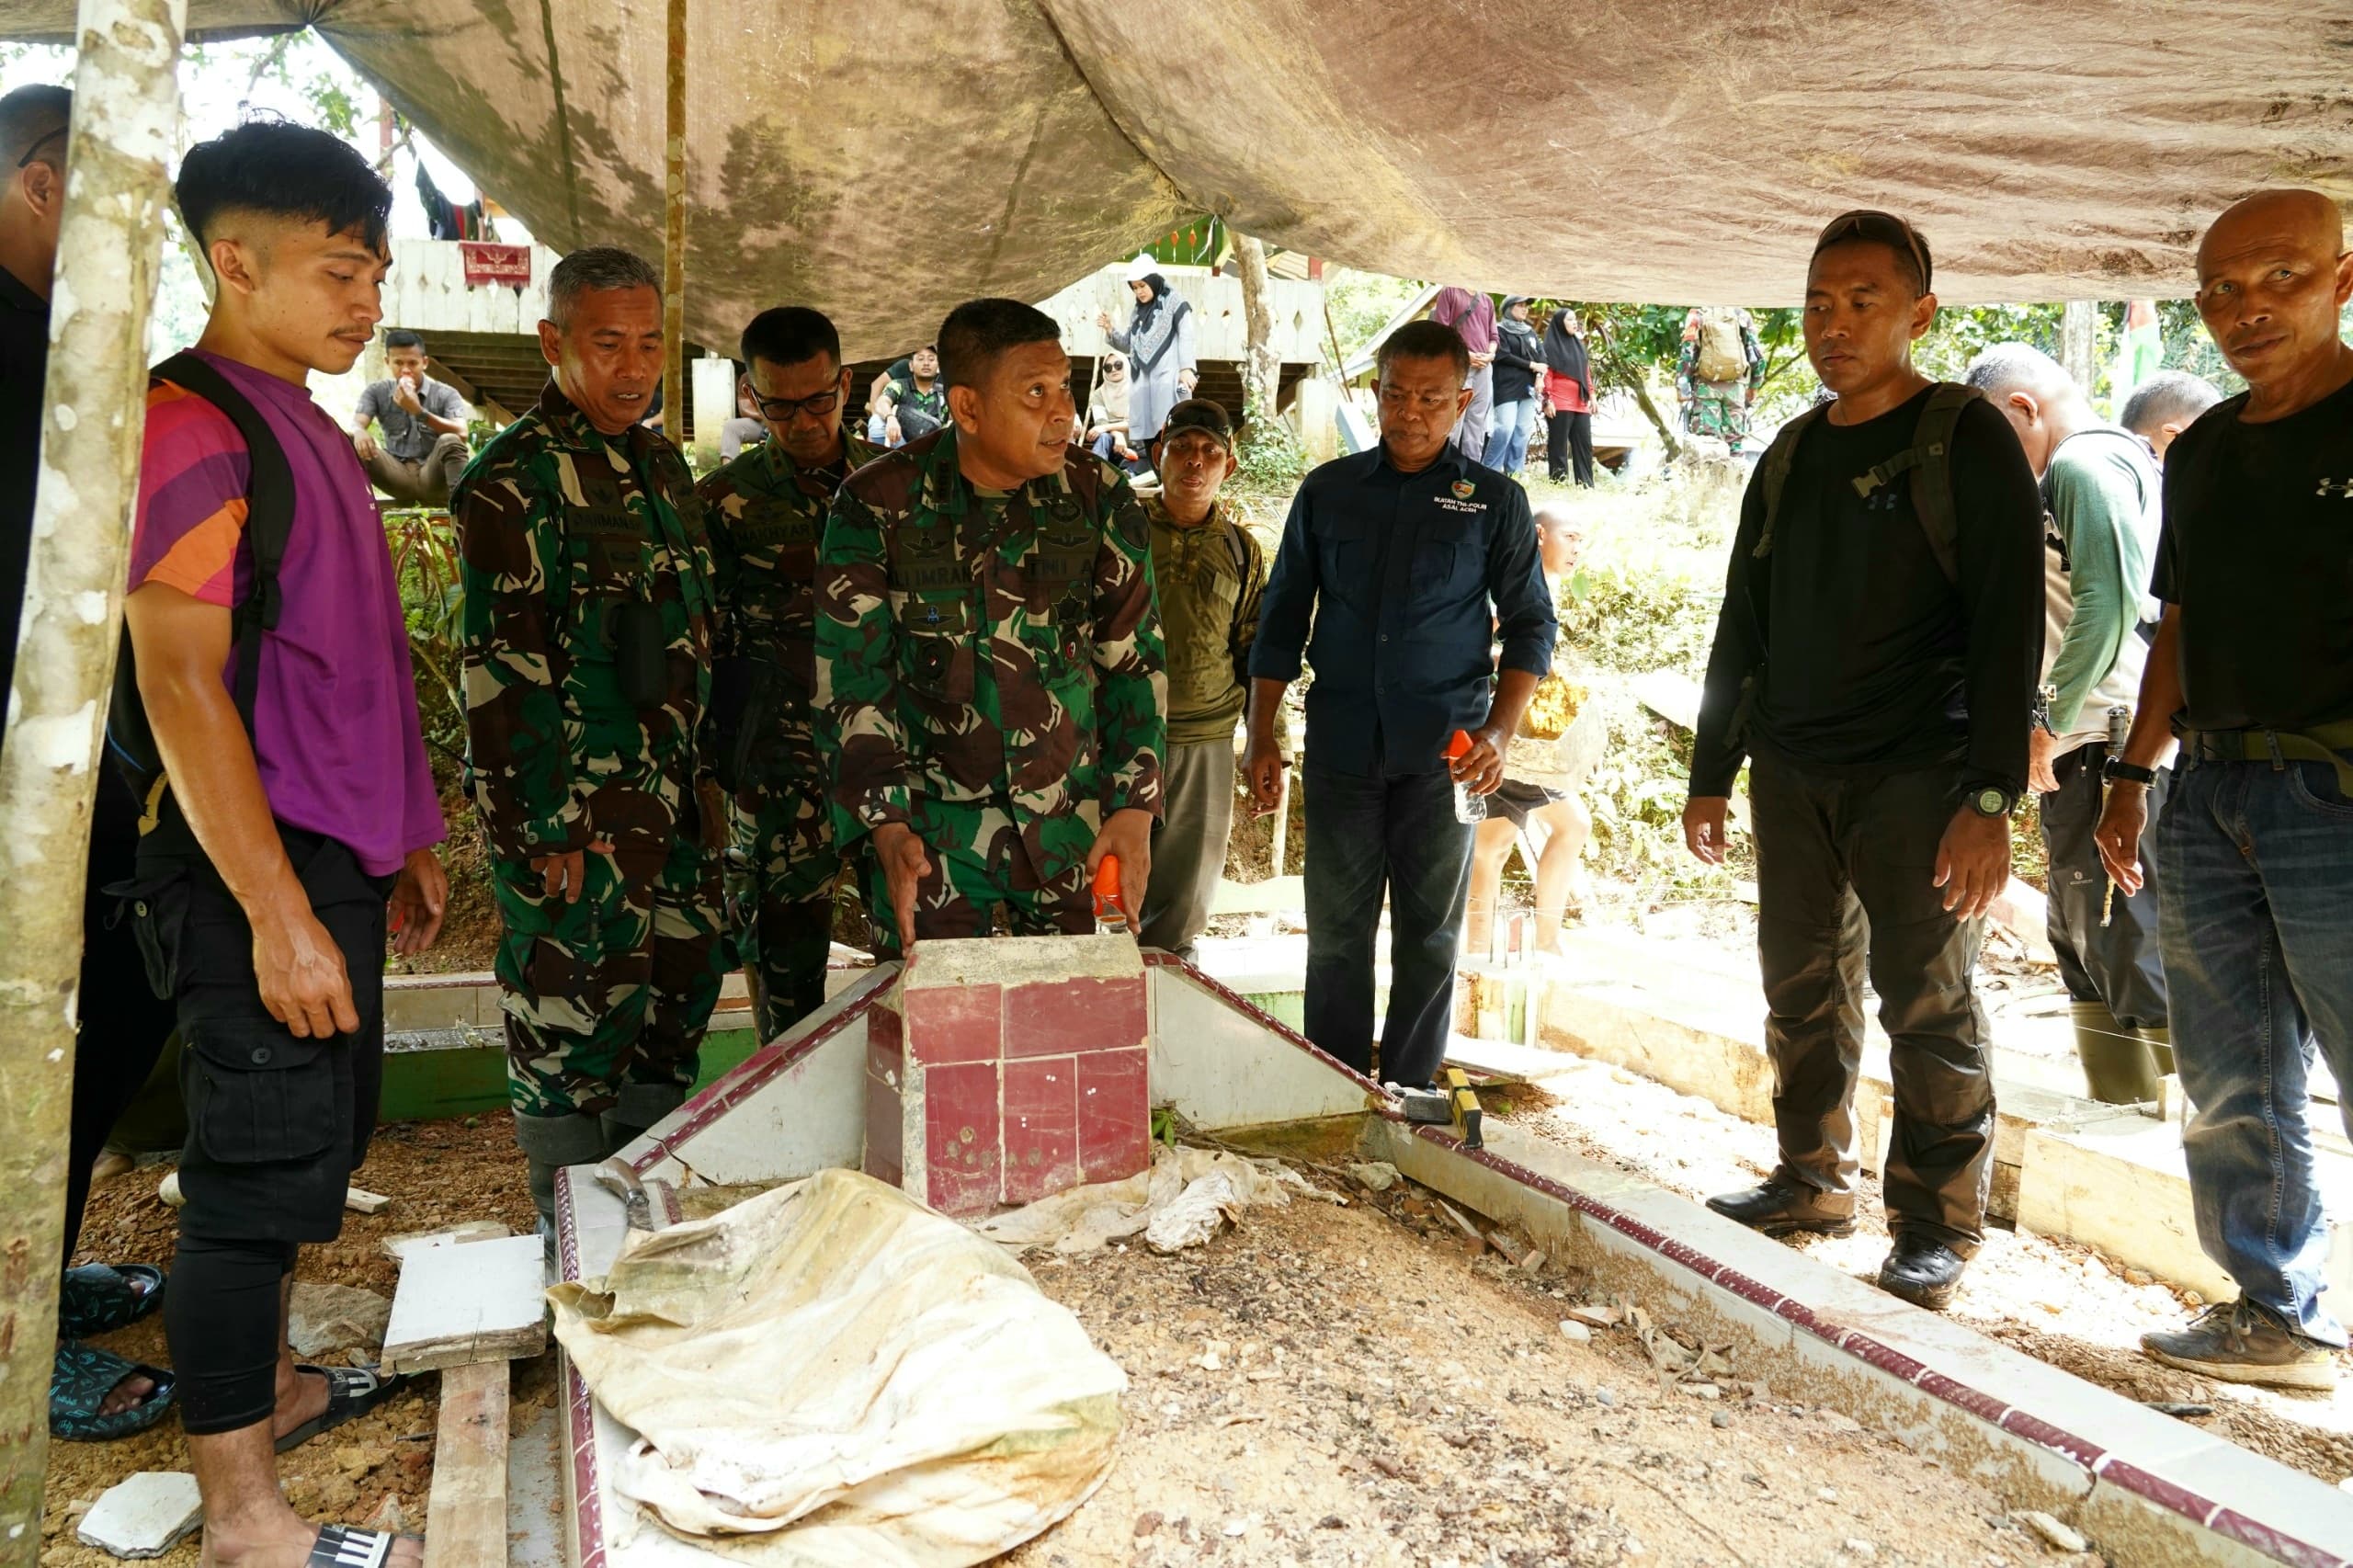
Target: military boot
(549, 1143)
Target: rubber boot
(640, 1107)
(549, 1143)
(2119, 1065)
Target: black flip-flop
(341, 1546)
(352, 1393)
(99, 1298)
(80, 1380)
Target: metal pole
(126, 125)
(674, 396)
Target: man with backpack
(1718, 373)
(587, 633)
(1875, 658)
(1210, 572)
(2100, 493)
(270, 715)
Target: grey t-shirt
(406, 437)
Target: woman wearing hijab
(1158, 343)
(1568, 399)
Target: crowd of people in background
(948, 655)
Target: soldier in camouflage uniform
(1719, 407)
(988, 655)
(766, 512)
(587, 626)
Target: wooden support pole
(126, 124)
(676, 416)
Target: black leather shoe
(1922, 1270)
(1780, 1208)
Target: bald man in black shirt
(2254, 664)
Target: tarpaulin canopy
(887, 161)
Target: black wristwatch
(2120, 771)
(1992, 801)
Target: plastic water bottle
(1109, 913)
(1469, 807)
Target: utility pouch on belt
(640, 652)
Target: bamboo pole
(126, 124)
(675, 394)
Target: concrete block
(144, 1516)
(1223, 1069)
(1005, 1070)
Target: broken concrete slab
(397, 1247)
(326, 1320)
(143, 1515)
(482, 1301)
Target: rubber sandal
(352, 1393)
(341, 1546)
(80, 1380)
(99, 1298)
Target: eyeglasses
(1886, 228)
(784, 410)
(34, 151)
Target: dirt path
(437, 1173)
(2057, 1301)
(1325, 1386)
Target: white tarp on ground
(885, 164)
(831, 1375)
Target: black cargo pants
(1845, 870)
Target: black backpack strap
(1928, 460)
(269, 515)
(1774, 472)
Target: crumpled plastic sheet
(1187, 1197)
(831, 1375)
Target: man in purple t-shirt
(1472, 316)
(261, 894)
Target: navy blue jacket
(1407, 580)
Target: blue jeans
(1508, 436)
(2256, 928)
(1366, 835)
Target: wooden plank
(468, 1303)
(465, 1514)
(360, 1201)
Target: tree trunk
(676, 418)
(2079, 342)
(1261, 372)
(1599, 347)
(126, 124)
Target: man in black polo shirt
(2254, 664)
(1405, 559)
(1876, 659)
(95, 1393)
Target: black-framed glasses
(1885, 228)
(783, 410)
(31, 152)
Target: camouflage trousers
(780, 879)
(606, 999)
(1721, 412)
(985, 866)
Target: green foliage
(1360, 304)
(425, 564)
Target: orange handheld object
(1457, 745)
(1106, 892)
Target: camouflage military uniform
(989, 673)
(765, 516)
(587, 624)
(1719, 409)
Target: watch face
(1993, 804)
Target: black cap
(1199, 413)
